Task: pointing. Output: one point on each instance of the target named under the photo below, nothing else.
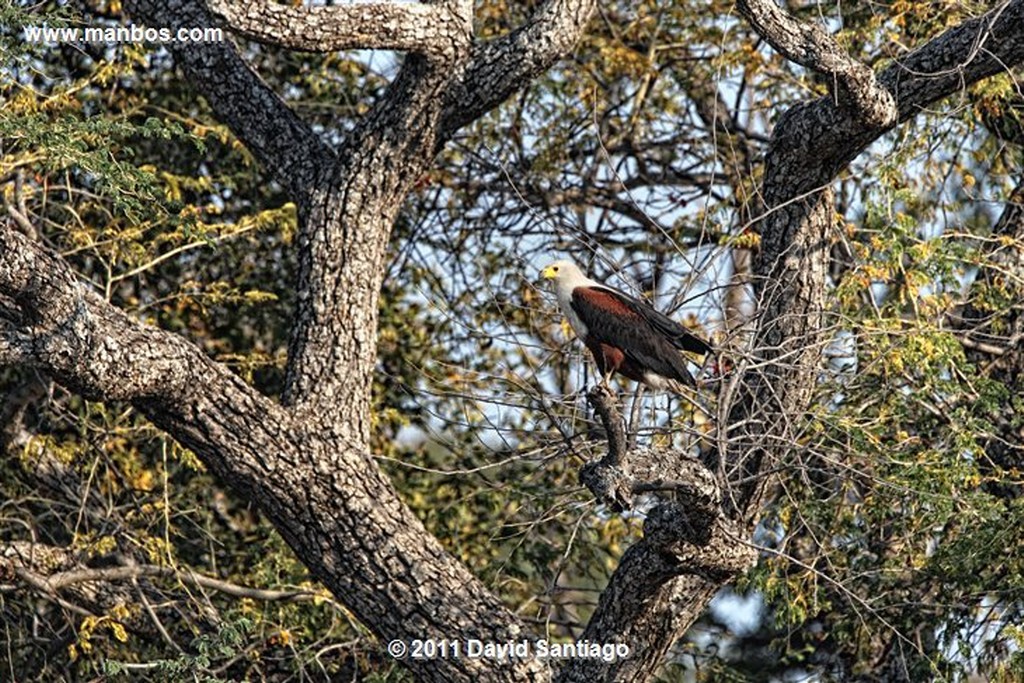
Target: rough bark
(664, 582)
(324, 494)
(769, 391)
(406, 26)
(810, 145)
(305, 461)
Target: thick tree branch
(688, 551)
(405, 26)
(342, 247)
(347, 206)
(812, 46)
(815, 141)
(72, 333)
(13, 348)
(323, 493)
(501, 67)
(979, 48)
(281, 141)
(811, 144)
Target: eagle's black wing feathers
(680, 337)
(648, 338)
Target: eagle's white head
(566, 274)
(567, 277)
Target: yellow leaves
(65, 452)
(187, 458)
(119, 632)
(256, 296)
(91, 626)
(623, 61)
(748, 239)
(750, 55)
(874, 273)
(321, 596)
(220, 133)
(391, 417)
(103, 545)
(92, 545)
(616, 534)
(283, 638)
(158, 550)
(143, 480)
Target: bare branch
(405, 26)
(689, 550)
(21, 220)
(68, 578)
(608, 478)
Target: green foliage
(211, 651)
(895, 522)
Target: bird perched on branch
(624, 334)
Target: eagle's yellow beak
(549, 273)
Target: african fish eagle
(624, 334)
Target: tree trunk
(306, 462)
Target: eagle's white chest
(564, 294)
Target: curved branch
(323, 493)
(812, 46)
(689, 549)
(405, 26)
(811, 144)
(71, 332)
(815, 141)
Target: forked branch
(811, 46)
